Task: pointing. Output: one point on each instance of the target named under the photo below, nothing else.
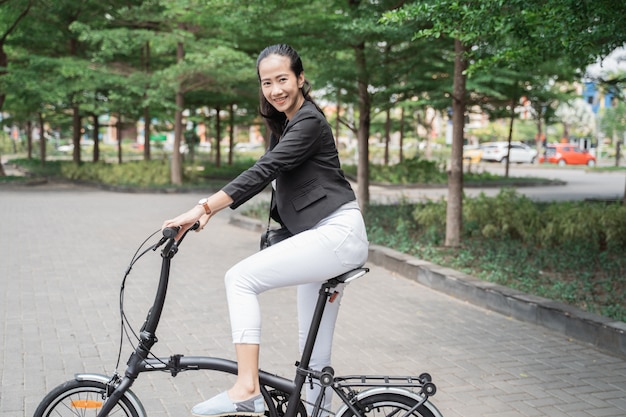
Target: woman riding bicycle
(313, 200)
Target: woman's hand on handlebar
(216, 202)
(186, 220)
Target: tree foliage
(509, 34)
(64, 62)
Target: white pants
(335, 245)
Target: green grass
(570, 274)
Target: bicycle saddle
(347, 276)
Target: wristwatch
(204, 203)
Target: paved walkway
(63, 251)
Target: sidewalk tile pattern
(63, 251)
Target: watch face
(204, 203)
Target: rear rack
(378, 380)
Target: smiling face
(280, 86)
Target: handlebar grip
(170, 232)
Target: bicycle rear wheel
(389, 405)
(81, 398)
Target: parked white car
(497, 152)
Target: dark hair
(274, 119)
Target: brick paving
(63, 251)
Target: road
(580, 184)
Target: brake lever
(159, 243)
(195, 226)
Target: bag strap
(269, 217)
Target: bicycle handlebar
(170, 232)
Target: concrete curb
(603, 333)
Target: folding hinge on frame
(174, 364)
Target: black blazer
(310, 184)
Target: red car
(567, 154)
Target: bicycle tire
(80, 398)
(388, 404)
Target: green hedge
(154, 173)
(512, 216)
(421, 171)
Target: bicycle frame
(139, 362)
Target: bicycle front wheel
(81, 398)
(389, 405)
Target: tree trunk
(363, 132)
(231, 135)
(454, 210)
(146, 110)
(118, 133)
(147, 127)
(42, 141)
(96, 138)
(508, 149)
(218, 135)
(177, 165)
(3, 64)
(76, 126)
(387, 134)
(401, 134)
(29, 138)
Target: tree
(519, 34)
(66, 81)
(452, 20)
(9, 21)
(502, 92)
(367, 64)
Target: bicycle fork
(117, 387)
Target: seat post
(325, 293)
(307, 351)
